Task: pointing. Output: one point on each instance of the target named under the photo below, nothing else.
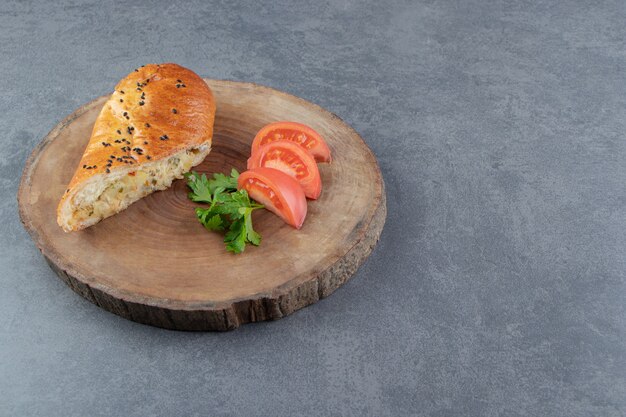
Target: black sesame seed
(125, 114)
(121, 100)
(177, 85)
(183, 85)
(145, 142)
(141, 103)
(108, 170)
(178, 81)
(148, 157)
(119, 132)
(119, 159)
(84, 166)
(174, 111)
(121, 91)
(138, 88)
(136, 70)
(112, 156)
(147, 124)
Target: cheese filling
(101, 199)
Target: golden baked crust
(155, 112)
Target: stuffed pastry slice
(155, 126)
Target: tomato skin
(297, 133)
(293, 160)
(278, 192)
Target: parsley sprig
(229, 209)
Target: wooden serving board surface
(154, 263)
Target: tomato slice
(277, 191)
(290, 159)
(298, 133)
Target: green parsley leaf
(252, 236)
(235, 238)
(200, 188)
(228, 183)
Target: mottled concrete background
(498, 286)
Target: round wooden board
(154, 263)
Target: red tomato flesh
(294, 132)
(277, 191)
(292, 160)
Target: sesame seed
(141, 103)
(108, 170)
(84, 166)
(178, 81)
(147, 124)
(121, 100)
(174, 111)
(148, 157)
(145, 142)
(121, 91)
(119, 132)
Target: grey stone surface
(498, 286)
